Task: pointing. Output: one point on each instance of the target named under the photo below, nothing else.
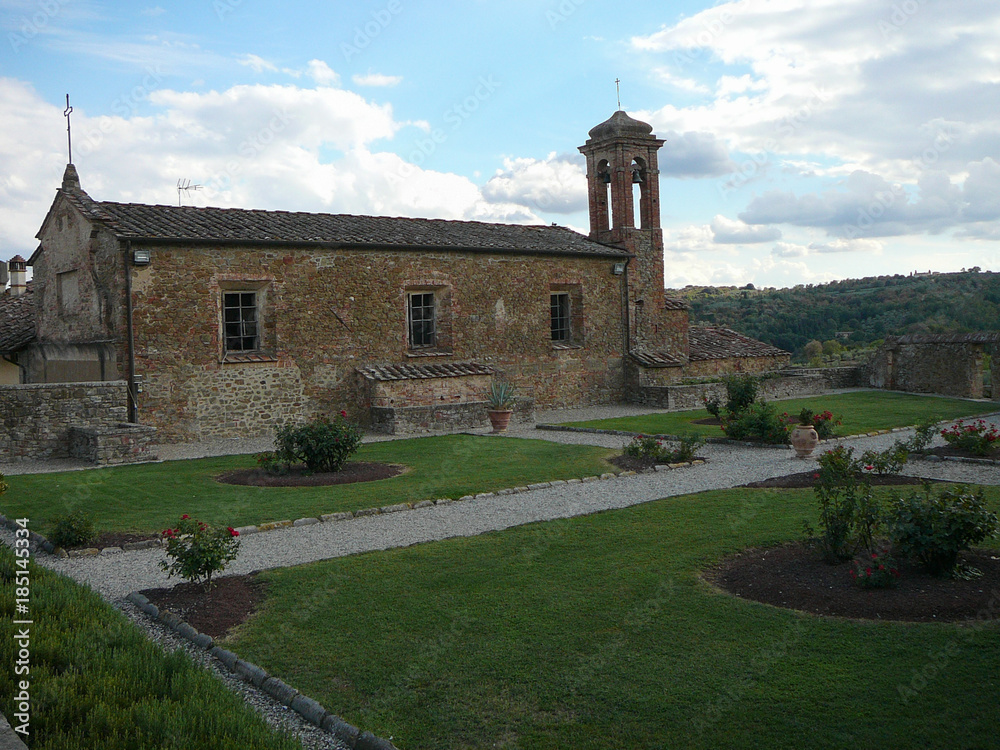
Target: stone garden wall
(37, 421)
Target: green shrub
(271, 464)
(197, 551)
(923, 435)
(849, 514)
(890, 461)
(73, 530)
(978, 438)
(741, 391)
(933, 529)
(877, 571)
(3, 485)
(651, 448)
(713, 406)
(322, 445)
(759, 422)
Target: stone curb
(306, 707)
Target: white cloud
(788, 250)
(322, 73)
(873, 247)
(693, 154)
(376, 79)
(556, 184)
(257, 64)
(679, 82)
(250, 146)
(727, 231)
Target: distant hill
(855, 312)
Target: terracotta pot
(804, 440)
(499, 418)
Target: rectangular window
(241, 321)
(560, 317)
(421, 312)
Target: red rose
(343, 414)
(233, 532)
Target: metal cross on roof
(69, 136)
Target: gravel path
(118, 574)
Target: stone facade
(36, 420)
(122, 443)
(945, 364)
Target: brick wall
(35, 420)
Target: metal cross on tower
(69, 135)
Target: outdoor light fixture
(618, 269)
(140, 256)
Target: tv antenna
(185, 186)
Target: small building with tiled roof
(233, 321)
(17, 331)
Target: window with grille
(241, 322)
(560, 318)
(421, 314)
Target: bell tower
(623, 184)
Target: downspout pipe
(626, 332)
(133, 401)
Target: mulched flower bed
(808, 479)
(231, 600)
(794, 576)
(298, 476)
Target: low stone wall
(36, 420)
(416, 420)
(946, 365)
(788, 384)
(122, 443)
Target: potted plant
(804, 437)
(500, 403)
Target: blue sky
(807, 140)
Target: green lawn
(97, 683)
(150, 497)
(860, 412)
(597, 632)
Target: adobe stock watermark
(455, 116)
(366, 33)
(249, 149)
(562, 12)
(22, 629)
(33, 25)
(901, 14)
(695, 46)
(124, 106)
(938, 660)
(784, 128)
(884, 200)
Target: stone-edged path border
(346, 515)
(288, 696)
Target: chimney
(18, 275)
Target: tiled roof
(236, 225)
(17, 320)
(420, 372)
(715, 342)
(655, 358)
(672, 303)
(984, 337)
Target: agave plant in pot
(500, 403)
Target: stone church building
(227, 322)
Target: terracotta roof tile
(984, 337)
(655, 358)
(671, 303)
(236, 225)
(715, 342)
(419, 372)
(17, 320)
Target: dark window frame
(560, 317)
(421, 319)
(241, 321)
